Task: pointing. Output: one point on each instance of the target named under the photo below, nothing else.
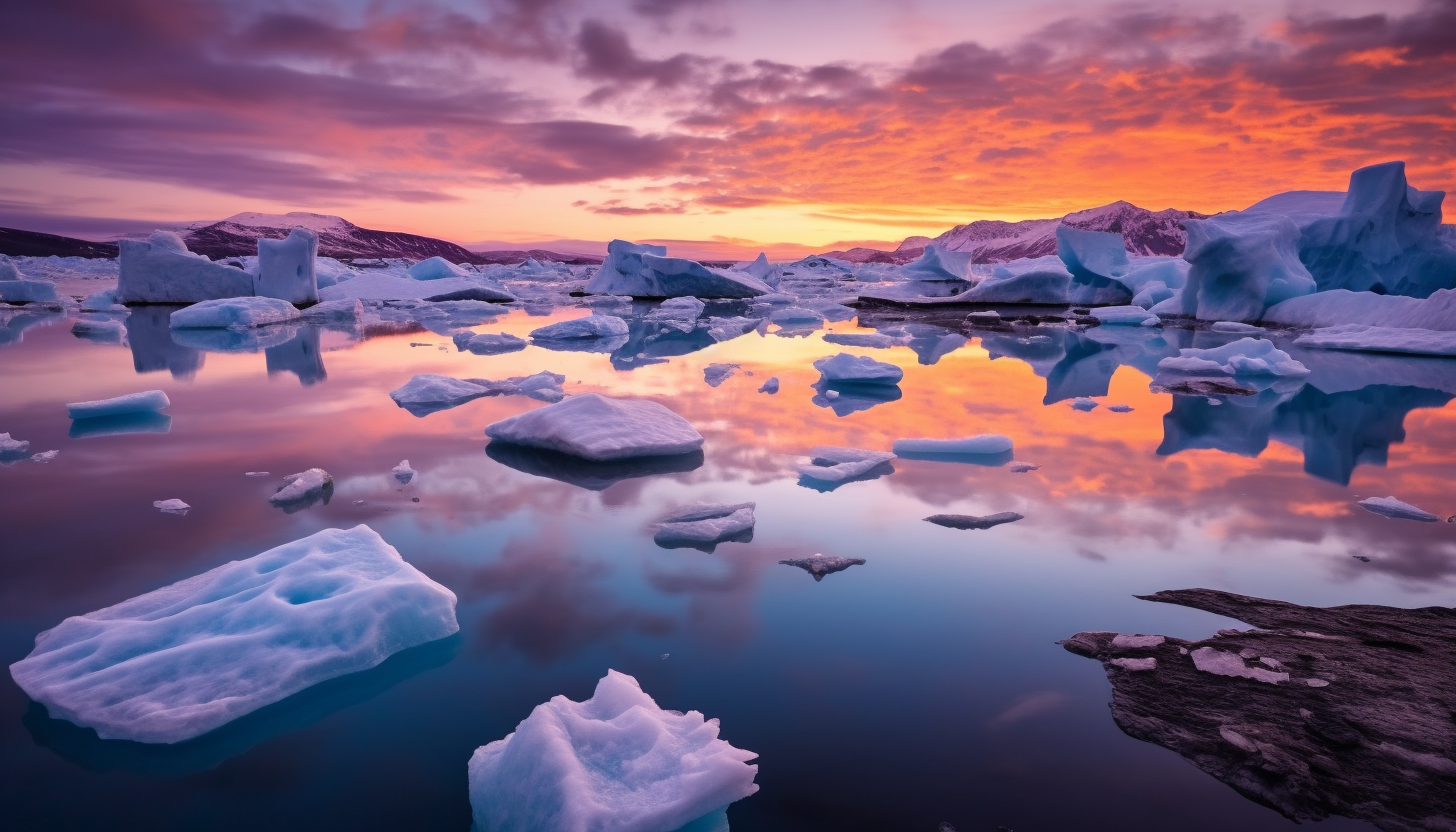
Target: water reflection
(121, 424)
(585, 473)
(301, 356)
(149, 334)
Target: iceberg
(428, 393)
(435, 268)
(104, 301)
(820, 565)
(304, 490)
(986, 443)
(286, 267)
(614, 763)
(100, 330)
(1396, 510)
(28, 291)
(598, 428)
(234, 313)
(857, 369)
(488, 343)
(1097, 261)
(678, 309)
(762, 269)
(969, 521)
(145, 402)
(1125, 316)
(704, 526)
(592, 326)
(396, 287)
(7, 269)
(186, 659)
(1246, 356)
(403, 472)
(1043, 280)
(939, 264)
(162, 270)
(1242, 263)
(770, 387)
(645, 271)
(12, 450)
(838, 465)
(173, 506)
(1381, 339)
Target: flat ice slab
(592, 326)
(395, 287)
(985, 443)
(830, 464)
(428, 393)
(146, 402)
(489, 343)
(1381, 339)
(172, 506)
(596, 427)
(1396, 509)
(821, 565)
(614, 763)
(1246, 356)
(234, 313)
(185, 659)
(970, 521)
(858, 369)
(704, 526)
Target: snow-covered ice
(234, 313)
(162, 270)
(428, 393)
(173, 506)
(286, 267)
(1396, 509)
(188, 658)
(599, 428)
(435, 268)
(970, 521)
(705, 525)
(680, 308)
(592, 326)
(985, 443)
(1246, 356)
(304, 489)
(820, 565)
(833, 465)
(857, 369)
(614, 763)
(490, 343)
(144, 402)
(403, 472)
(1381, 339)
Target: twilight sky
(810, 121)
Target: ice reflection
(149, 334)
(584, 473)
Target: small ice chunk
(173, 506)
(103, 301)
(234, 313)
(592, 326)
(1235, 328)
(985, 315)
(403, 472)
(970, 521)
(599, 428)
(183, 660)
(1396, 509)
(706, 525)
(614, 763)
(981, 444)
(11, 449)
(1123, 641)
(870, 340)
(831, 464)
(145, 402)
(858, 369)
(342, 311)
(1022, 467)
(771, 386)
(304, 489)
(1125, 316)
(820, 565)
(831, 394)
(1135, 665)
(488, 343)
(716, 374)
(256, 474)
(1083, 404)
(1120, 408)
(44, 456)
(1220, 663)
(428, 393)
(1317, 683)
(100, 330)
(681, 308)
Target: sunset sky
(809, 121)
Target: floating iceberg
(1097, 261)
(303, 490)
(286, 267)
(12, 450)
(1338, 307)
(429, 393)
(488, 343)
(162, 270)
(1396, 510)
(592, 326)
(435, 268)
(598, 428)
(704, 526)
(820, 565)
(173, 506)
(396, 287)
(234, 313)
(646, 271)
(1030, 280)
(403, 472)
(614, 763)
(683, 308)
(28, 291)
(1242, 263)
(940, 264)
(857, 369)
(771, 386)
(188, 658)
(1125, 316)
(1246, 356)
(969, 521)
(1381, 339)
(100, 330)
(837, 465)
(986, 443)
(145, 402)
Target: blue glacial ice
(286, 267)
(191, 657)
(234, 313)
(162, 270)
(645, 271)
(144, 402)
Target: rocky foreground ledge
(1347, 711)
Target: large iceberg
(162, 270)
(286, 267)
(598, 428)
(234, 313)
(646, 271)
(614, 763)
(1098, 263)
(1242, 263)
(183, 660)
(938, 263)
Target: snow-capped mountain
(997, 241)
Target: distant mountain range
(997, 241)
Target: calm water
(922, 687)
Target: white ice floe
(394, 286)
(1125, 316)
(234, 313)
(427, 393)
(599, 428)
(344, 311)
(716, 374)
(1246, 356)
(173, 506)
(830, 464)
(646, 271)
(1381, 339)
(303, 487)
(44, 456)
(104, 301)
(162, 270)
(820, 565)
(28, 291)
(614, 763)
(403, 472)
(1220, 663)
(286, 267)
(860, 369)
(1029, 280)
(1396, 509)
(592, 326)
(490, 343)
(706, 525)
(144, 402)
(99, 330)
(1083, 404)
(188, 658)
(436, 268)
(981, 444)
(771, 386)
(1236, 328)
(13, 449)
